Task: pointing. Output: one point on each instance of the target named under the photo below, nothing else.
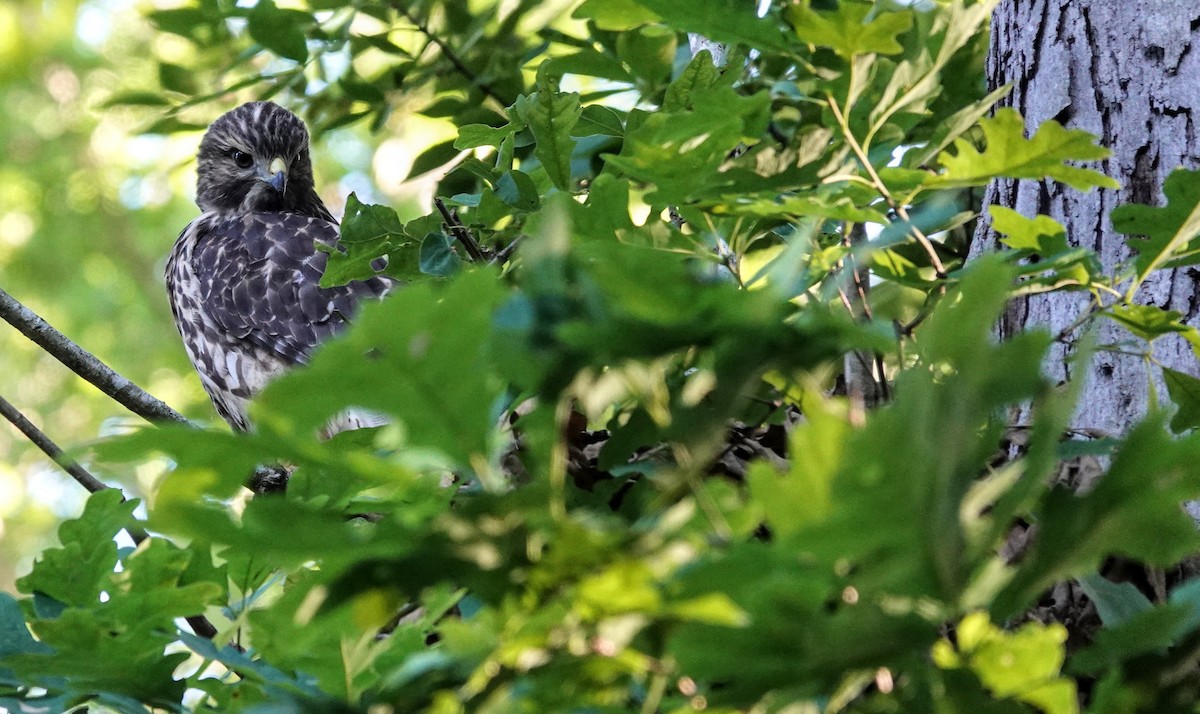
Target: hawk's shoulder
(256, 278)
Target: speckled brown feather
(244, 284)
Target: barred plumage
(243, 278)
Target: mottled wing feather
(260, 280)
(245, 292)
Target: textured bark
(1129, 72)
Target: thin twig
(461, 233)
(451, 55)
(49, 448)
(504, 254)
(862, 286)
(882, 188)
(83, 363)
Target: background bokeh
(92, 194)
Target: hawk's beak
(276, 176)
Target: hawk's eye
(241, 158)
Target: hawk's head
(255, 159)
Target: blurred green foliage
(621, 473)
(86, 210)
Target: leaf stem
(882, 188)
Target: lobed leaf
(1009, 154)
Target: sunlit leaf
(720, 20)
(1008, 153)
(1170, 232)
(551, 115)
(1184, 390)
(847, 31)
(279, 30)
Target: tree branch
(83, 363)
(460, 232)
(49, 448)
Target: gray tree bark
(1129, 72)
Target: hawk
(244, 278)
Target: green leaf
(1024, 664)
(625, 587)
(211, 462)
(85, 647)
(957, 125)
(1170, 231)
(1184, 390)
(838, 208)
(516, 189)
(1010, 154)
(1116, 603)
(1042, 234)
(363, 222)
(396, 360)
(432, 158)
(473, 135)
(680, 153)
(589, 63)
(249, 667)
(136, 99)
(279, 30)
(615, 14)
(174, 78)
(699, 75)
(438, 257)
(1118, 516)
(846, 30)
(598, 120)
(368, 233)
(551, 115)
(1148, 322)
(729, 21)
(78, 572)
(1151, 630)
(183, 21)
(14, 635)
(803, 495)
(649, 51)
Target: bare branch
(49, 448)
(460, 232)
(83, 363)
(503, 255)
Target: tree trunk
(1129, 72)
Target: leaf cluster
(627, 469)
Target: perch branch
(83, 363)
